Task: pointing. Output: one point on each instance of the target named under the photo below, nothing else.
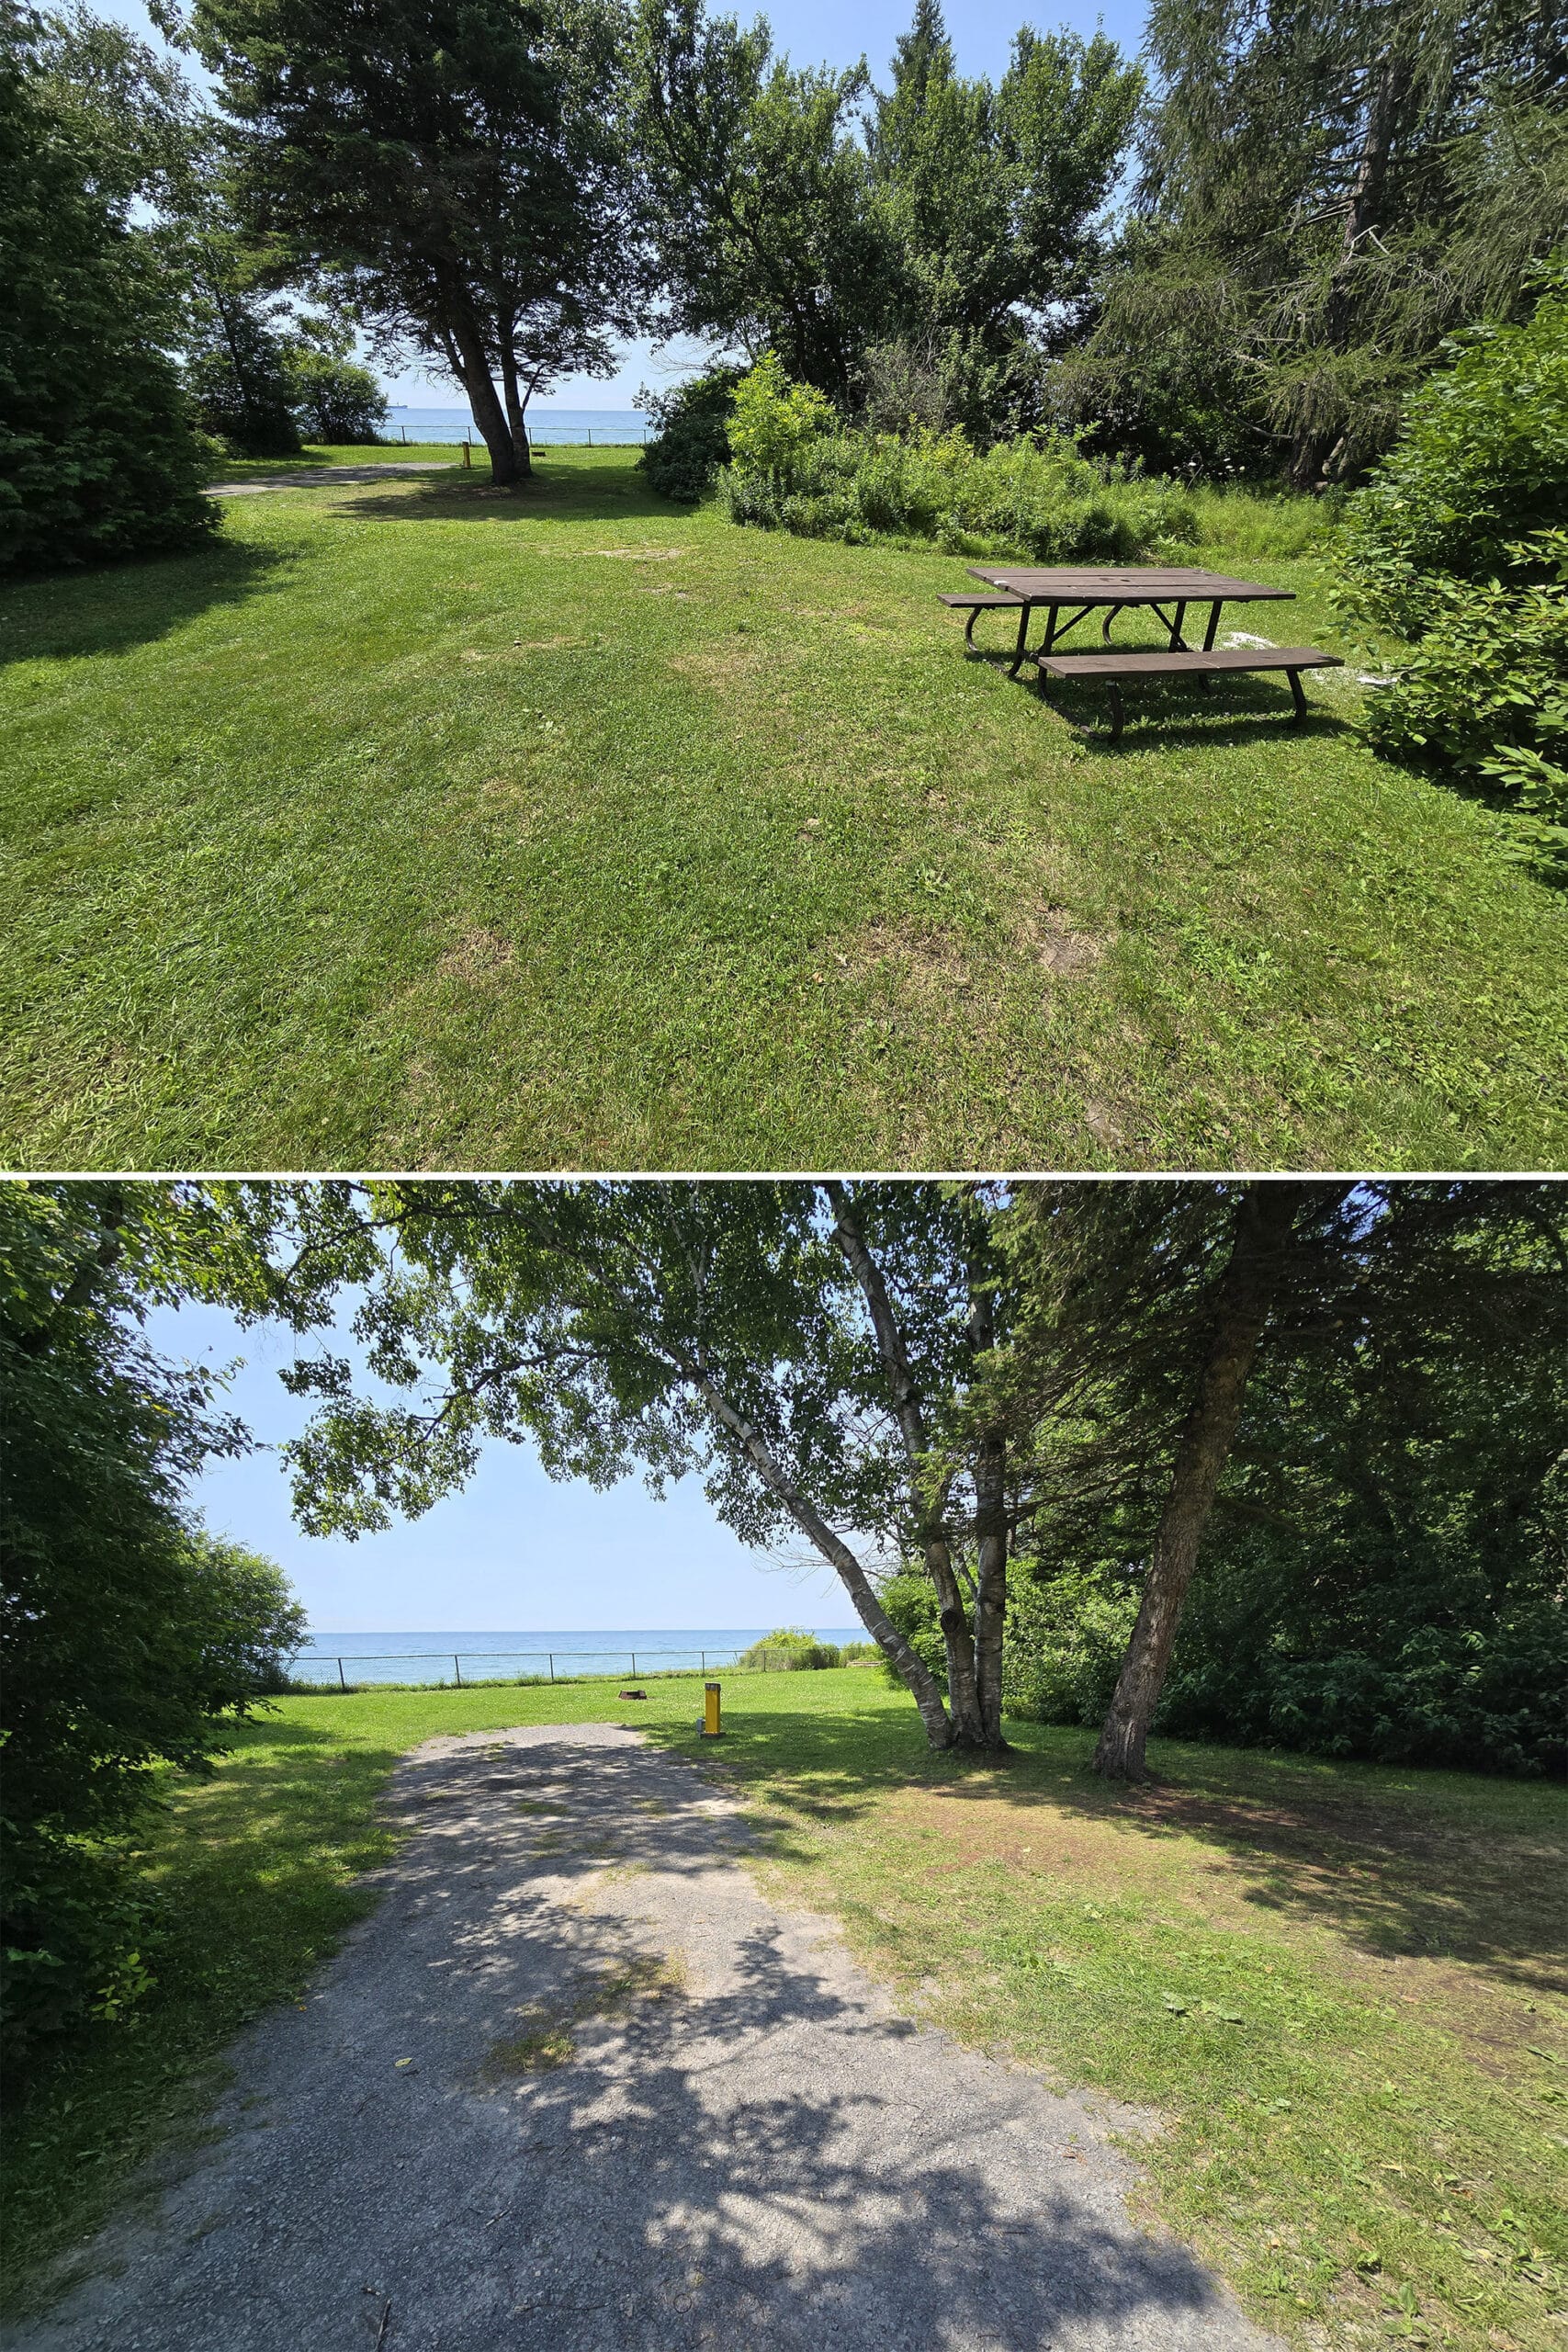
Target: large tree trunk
(1314, 452)
(472, 361)
(1246, 1291)
(991, 1583)
(988, 1470)
(929, 1509)
(516, 408)
(910, 1670)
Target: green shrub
(332, 398)
(1459, 543)
(790, 1649)
(1039, 499)
(1065, 1643)
(98, 451)
(911, 1603)
(682, 461)
(1486, 693)
(772, 421)
(239, 373)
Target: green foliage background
(99, 454)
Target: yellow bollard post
(468, 454)
(711, 1725)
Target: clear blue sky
(515, 1552)
(812, 32)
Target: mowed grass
(421, 825)
(1340, 1989)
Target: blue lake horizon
(607, 426)
(395, 1658)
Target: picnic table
(1098, 588)
(1167, 589)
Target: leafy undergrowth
(1341, 1988)
(420, 824)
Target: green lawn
(418, 824)
(1342, 1988)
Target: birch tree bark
(963, 1697)
(1247, 1291)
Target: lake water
(598, 426)
(430, 1658)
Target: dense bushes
(99, 454)
(262, 381)
(1425, 1688)
(791, 1649)
(1459, 543)
(683, 461)
(795, 467)
(124, 1634)
(1065, 1640)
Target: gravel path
(298, 474)
(577, 2084)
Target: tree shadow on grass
(557, 494)
(1397, 1877)
(110, 608)
(1396, 1872)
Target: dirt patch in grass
(478, 957)
(926, 961)
(726, 660)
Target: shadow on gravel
(791, 2217)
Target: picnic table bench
(1167, 589)
(1112, 667)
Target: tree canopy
(455, 172)
(98, 452)
(127, 1632)
(1326, 193)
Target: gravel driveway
(575, 2083)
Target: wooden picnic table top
(1140, 584)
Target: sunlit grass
(1339, 1987)
(420, 824)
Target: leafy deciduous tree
(457, 170)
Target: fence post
(703, 1656)
(457, 1671)
(591, 436)
(550, 1655)
(633, 1665)
(340, 1674)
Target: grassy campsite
(411, 823)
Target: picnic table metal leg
(1117, 714)
(1297, 696)
(1016, 664)
(1212, 630)
(1177, 642)
(1105, 624)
